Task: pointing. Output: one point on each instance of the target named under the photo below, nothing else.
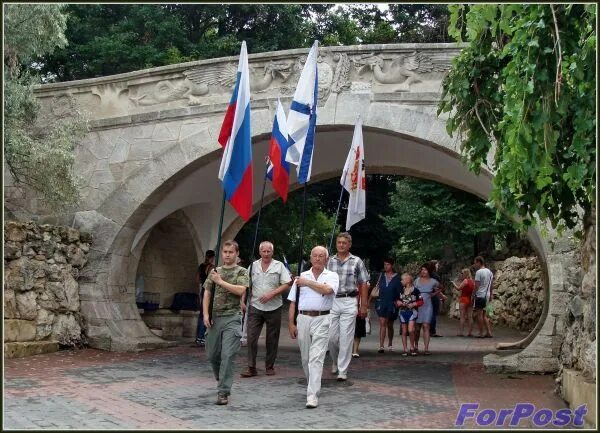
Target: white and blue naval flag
(302, 118)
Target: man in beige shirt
(270, 279)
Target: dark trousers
(200, 329)
(435, 301)
(256, 319)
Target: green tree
(285, 233)
(38, 153)
(106, 39)
(523, 89)
(431, 220)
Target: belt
(313, 313)
(347, 295)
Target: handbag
(375, 291)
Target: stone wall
(578, 350)
(518, 290)
(518, 293)
(41, 293)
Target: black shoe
(222, 399)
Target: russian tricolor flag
(236, 166)
(279, 168)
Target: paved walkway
(174, 389)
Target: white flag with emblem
(353, 178)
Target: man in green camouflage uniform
(224, 331)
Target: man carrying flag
(235, 136)
(226, 285)
(352, 296)
(279, 168)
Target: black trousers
(435, 301)
(255, 323)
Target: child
(410, 300)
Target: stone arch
(416, 142)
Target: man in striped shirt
(350, 299)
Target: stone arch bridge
(152, 151)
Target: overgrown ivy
(521, 96)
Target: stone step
(29, 348)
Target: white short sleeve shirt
(311, 299)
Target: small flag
(236, 166)
(279, 169)
(353, 178)
(302, 118)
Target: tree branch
(559, 60)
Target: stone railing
(41, 293)
(403, 71)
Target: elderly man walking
(317, 287)
(352, 297)
(269, 279)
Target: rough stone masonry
(41, 292)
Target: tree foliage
(38, 154)
(523, 90)
(429, 220)
(107, 39)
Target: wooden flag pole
(249, 289)
(337, 213)
(217, 255)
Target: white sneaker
(390, 348)
(342, 377)
(312, 403)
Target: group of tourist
(332, 300)
(413, 301)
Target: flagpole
(217, 255)
(262, 196)
(337, 213)
(246, 316)
(301, 250)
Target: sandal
(405, 353)
(355, 355)
(488, 336)
(414, 352)
(381, 350)
(427, 352)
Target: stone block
(559, 303)
(19, 330)
(66, 330)
(29, 348)
(10, 305)
(103, 229)
(538, 365)
(578, 390)
(26, 305)
(576, 306)
(12, 250)
(15, 231)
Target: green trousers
(222, 345)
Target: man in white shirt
(483, 294)
(269, 279)
(318, 287)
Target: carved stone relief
(382, 71)
(403, 69)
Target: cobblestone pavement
(174, 389)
